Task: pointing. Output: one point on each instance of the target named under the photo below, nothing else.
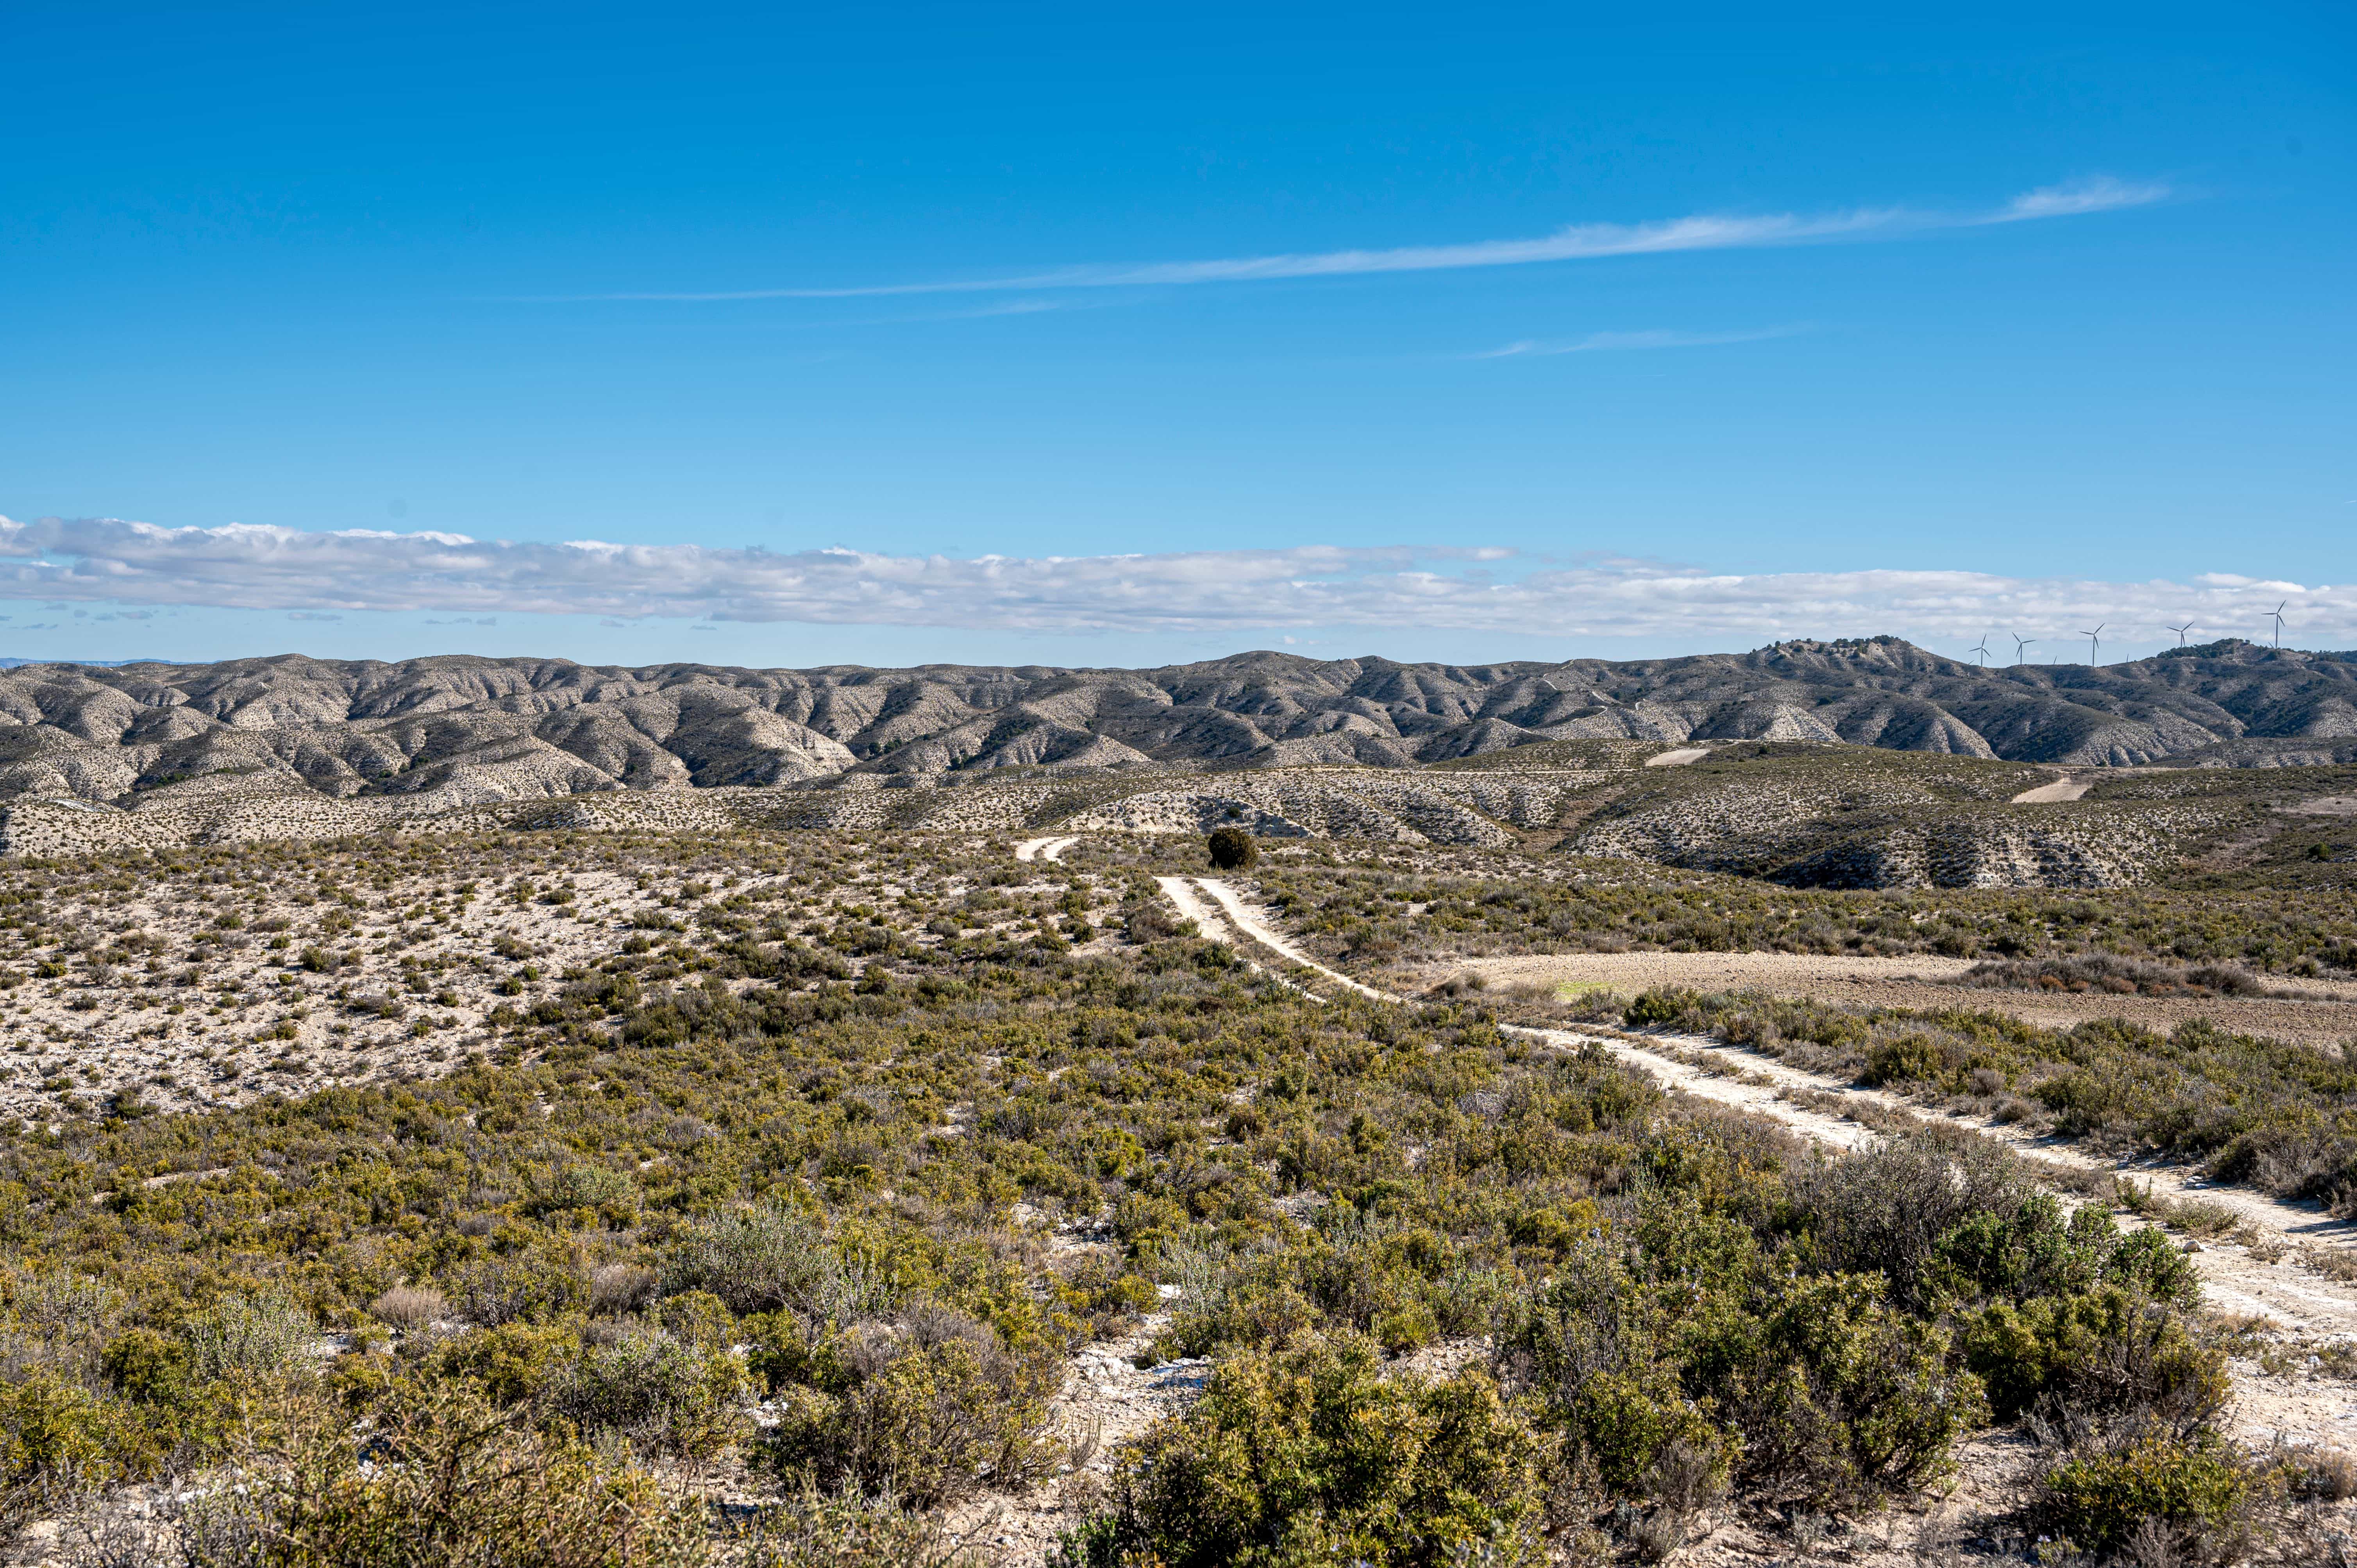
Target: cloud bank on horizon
(254, 567)
(1576, 241)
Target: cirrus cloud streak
(1573, 243)
(241, 567)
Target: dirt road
(2258, 1274)
(1915, 982)
(2238, 1279)
(2066, 787)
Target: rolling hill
(468, 730)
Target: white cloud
(1466, 588)
(1613, 342)
(1576, 241)
(2101, 193)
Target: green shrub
(1311, 1455)
(259, 1337)
(665, 1395)
(1846, 1399)
(1663, 1005)
(2109, 1350)
(1232, 849)
(1595, 1346)
(148, 1367)
(930, 1413)
(538, 1281)
(1920, 1058)
(2033, 1250)
(754, 1260)
(699, 1317)
(54, 1434)
(2100, 1501)
(440, 1478)
(510, 1363)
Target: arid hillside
(468, 730)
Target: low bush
(2196, 1490)
(667, 1396)
(756, 1259)
(815, 1531)
(1310, 1455)
(441, 1477)
(2108, 1351)
(259, 1337)
(929, 1410)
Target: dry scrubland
(798, 1177)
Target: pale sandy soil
(2066, 787)
(189, 1014)
(1912, 982)
(1107, 1399)
(1679, 758)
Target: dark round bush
(1232, 849)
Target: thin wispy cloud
(1613, 342)
(1479, 589)
(1577, 242)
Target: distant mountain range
(487, 729)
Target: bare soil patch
(2067, 787)
(1916, 982)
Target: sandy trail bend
(1182, 894)
(2066, 787)
(1044, 849)
(2236, 1277)
(1923, 981)
(1244, 920)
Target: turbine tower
(2275, 615)
(2094, 643)
(2020, 642)
(2181, 631)
(1980, 650)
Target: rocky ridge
(471, 731)
(1800, 815)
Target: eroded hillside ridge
(1849, 819)
(468, 730)
(1409, 808)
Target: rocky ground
(171, 984)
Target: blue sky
(1816, 354)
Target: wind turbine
(2020, 642)
(1982, 652)
(2094, 643)
(2181, 631)
(2277, 615)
